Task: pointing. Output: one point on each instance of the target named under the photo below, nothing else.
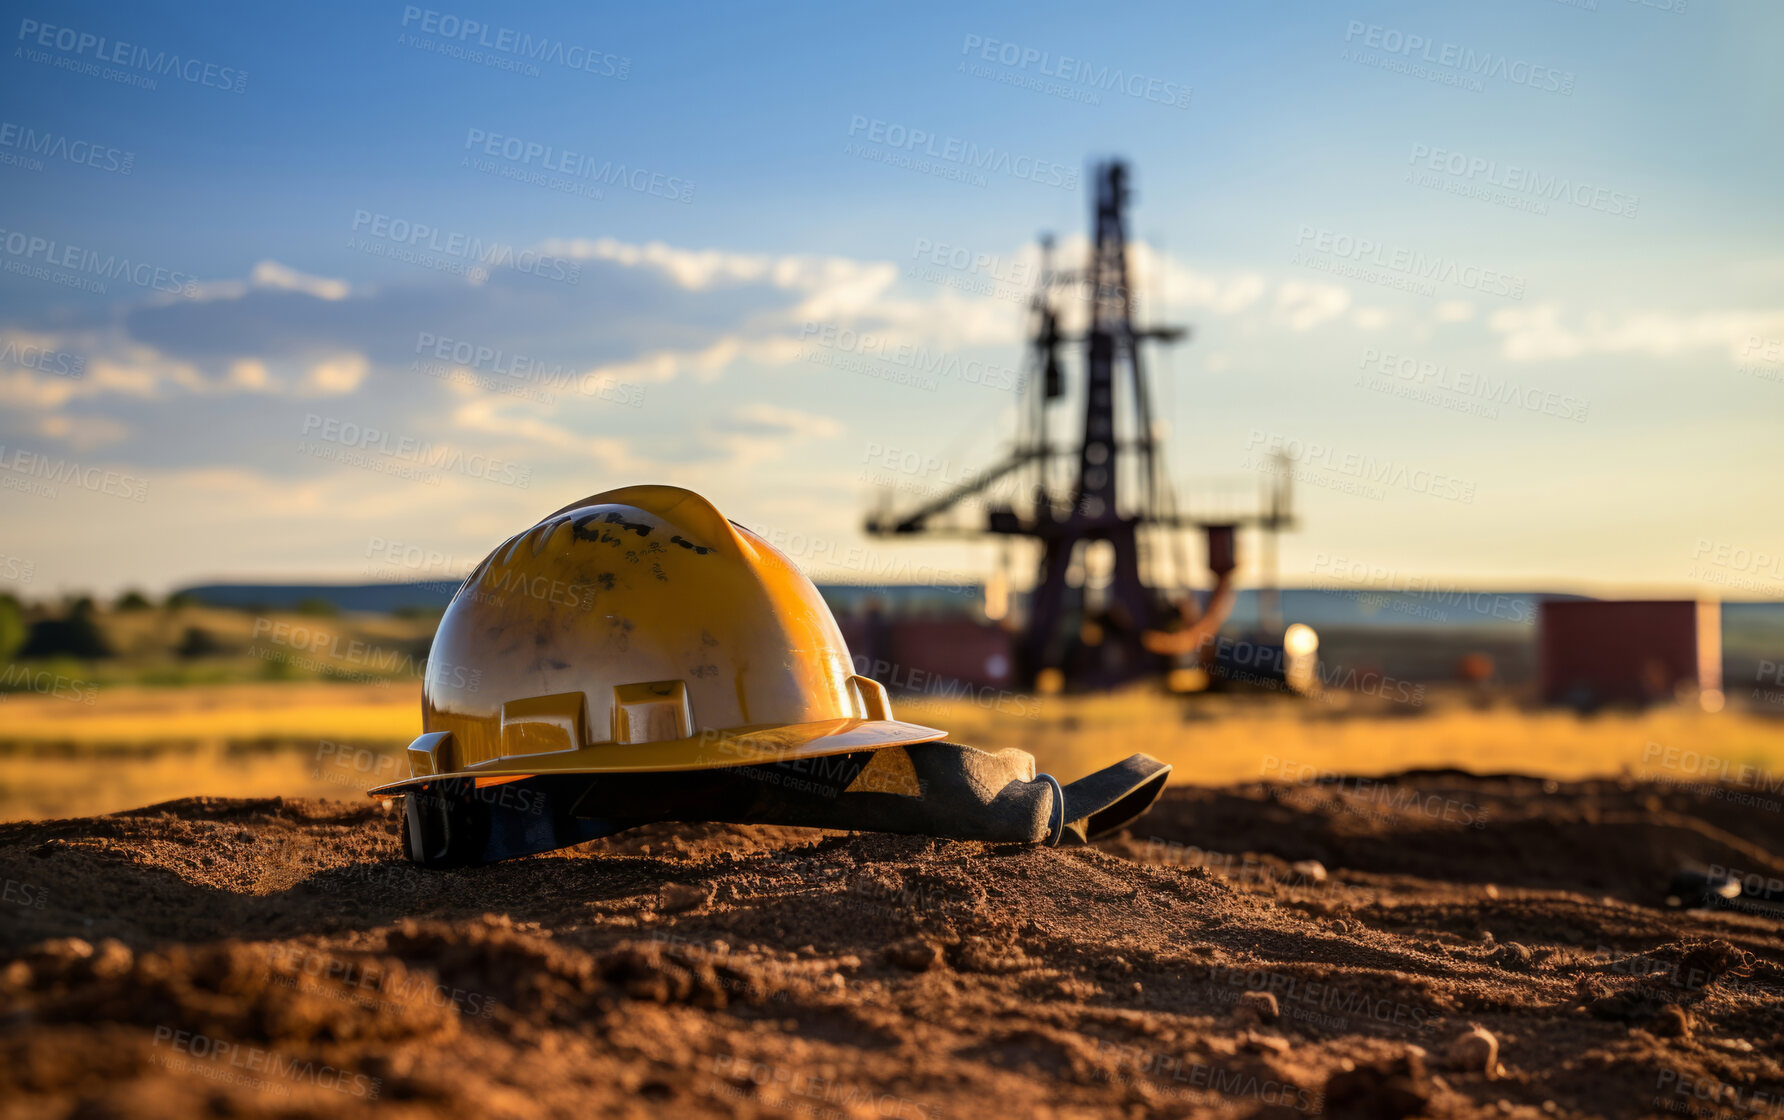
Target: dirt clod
(1513, 956)
(1257, 1007)
(1474, 1051)
(1391, 1089)
(1673, 1022)
(915, 954)
(679, 897)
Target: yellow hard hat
(639, 631)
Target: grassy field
(132, 746)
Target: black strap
(959, 792)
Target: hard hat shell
(638, 630)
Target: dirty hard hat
(636, 657)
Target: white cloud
(1542, 333)
(1305, 305)
(788, 423)
(758, 432)
(82, 433)
(272, 274)
(335, 376)
(693, 269)
(266, 276)
(506, 416)
(249, 373)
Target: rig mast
(1129, 628)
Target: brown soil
(249, 958)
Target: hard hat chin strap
(925, 789)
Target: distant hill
(1318, 607)
(377, 598)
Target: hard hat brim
(743, 746)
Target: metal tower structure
(1095, 636)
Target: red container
(930, 655)
(1593, 652)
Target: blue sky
(1587, 396)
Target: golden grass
(137, 746)
(1219, 740)
(122, 715)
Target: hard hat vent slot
(651, 712)
(871, 697)
(431, 754)
(543, 724)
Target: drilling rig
(1103, 609)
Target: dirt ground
(216, 957)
